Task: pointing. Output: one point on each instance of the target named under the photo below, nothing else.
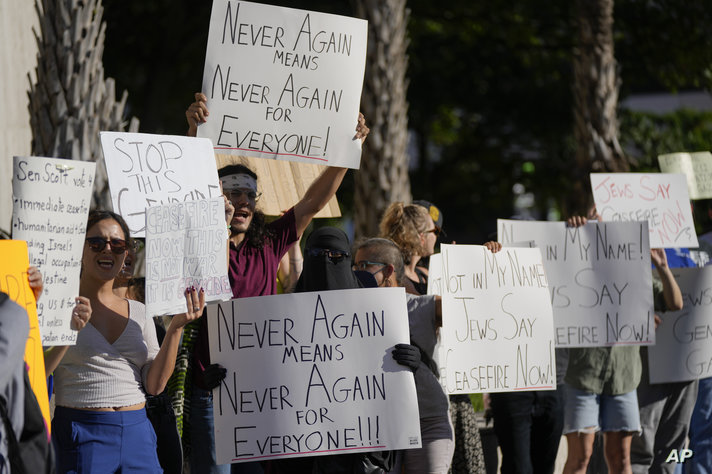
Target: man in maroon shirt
(253, 258)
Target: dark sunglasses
(97, 244)
(334, 255)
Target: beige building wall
(18, 57)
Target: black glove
(407, 355)
(213, 375)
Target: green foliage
(646, 135)
(489, 90)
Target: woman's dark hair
(258, 231)
(98, 216)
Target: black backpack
(32, 453)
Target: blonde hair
(403, 224)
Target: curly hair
(403, 224)
(258, 231)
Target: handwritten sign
(186, 245)
(146, 170)
(683, 351)
(327, 382)
(599, 279)
(13, 282)
(697, 168)
(497, 332)
(284, 83)
(51, 199)
(660, 199)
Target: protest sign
(145, 170)
(186, 245)
(298, 98)
(660, 199)
(282, 183)
(497, 332)
(312, 374)
(697, 168)
(51, 200)
(435, 274)
(682, 350)
(13, 282)
(599, 279)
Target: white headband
(238, 181)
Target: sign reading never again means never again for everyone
(312, 374)
(299, 98)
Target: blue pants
(106, 442)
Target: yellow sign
(13, 281)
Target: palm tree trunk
(596, 86)
(71, 102)
(383, 177)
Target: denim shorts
(589, 412)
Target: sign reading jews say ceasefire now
(284, 83)
(661, 199)
(498, 331)
(599, 279)
(146, 170)
(312, 374)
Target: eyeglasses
(435, 230)
(334, 255)
(237, 194)
(97, 244)
(362, 264)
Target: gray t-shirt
(432, 401)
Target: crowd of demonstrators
(110, 417)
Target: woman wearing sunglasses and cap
(101, 383)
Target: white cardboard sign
(683, 351)
(497, 333)
(51, 200)
(284, 83)
(312, 374)
(661, 199)
(186, 245)
(145, 170)
(599, 279)
(697, 168)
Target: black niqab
(321, 272)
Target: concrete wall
(18, 57)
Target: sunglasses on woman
(97, 244)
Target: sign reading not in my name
(497, 333)
(599, 279)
